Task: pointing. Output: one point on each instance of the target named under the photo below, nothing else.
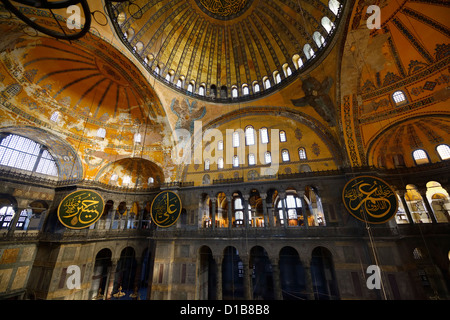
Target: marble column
(405, 205)
(111, 279)
(423, 193)
(213, 213)
(308, 280)
(248, 287)
(264, 204)
(246, 215)
(230, 213)
(219, 259)
(278, 295)
(283, 207)
(301, 195)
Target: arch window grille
(420, 156)
(443, 151)
(25, 154)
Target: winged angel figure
(316, 95)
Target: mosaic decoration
(80, 209)
(370, 199)
(166, 209)
(225, 8)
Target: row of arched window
(420, 156)
(308, 51)
(251, 158)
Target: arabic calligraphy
(224, 8)
(80, 209)
(166, 209)
(370, 199)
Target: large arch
(65, 156)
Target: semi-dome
(226, 51)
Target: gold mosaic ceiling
(222, 45)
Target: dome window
(399, 97)
(443, 151)
(101, 133)
(420, 156)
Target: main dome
(226, 51)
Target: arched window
(213, 91)
(137, 138)
(238, 211)
(224, 92)
(220, 145)
(207, 162)
(276, 77)
(267, 157)
(287, 70)
(285, 155)
(334, 6)
(443, 151)
(308, 51)
(101, 133)
(256, 87)
(220, 163)
(266, 82)
(399, 97)
(114, 178)
(264, 135)
(318, 39)
(245, 90)
(282, 136)
(55, 116)
(234, 92)
(190, 88)
(420, 156)
(327, 24)
(235, 139)
(293, 206)
(297, 60)
(249, 136)
(251, 159)
(150, 181)
(235, 161)
(157, 70)
(126, 180)
(302, 153)
(201, 90)
(179, 83)
(22, 153)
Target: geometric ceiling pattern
(222, 45)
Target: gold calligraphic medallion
(166, 209)
(80, 209)
(370, 199)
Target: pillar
(301, 195)
(111, 279)
(308, 280)
(405, 205)
(219, 290)
(247, 278)
(213, 213)
(246, 197)
(264, 204)
(14, 220)
(283, 207)
(423, 194)
(276, 279)
(230, 214)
